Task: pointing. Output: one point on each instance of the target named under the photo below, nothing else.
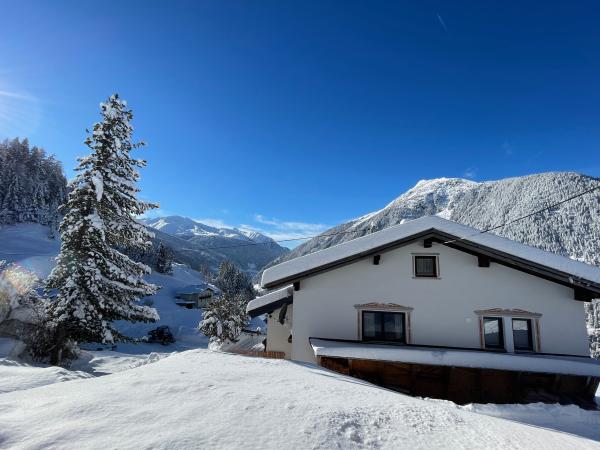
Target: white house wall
(443, 309)
(278, 334)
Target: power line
(250, 244)
(554, 205)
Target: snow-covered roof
(568, 365)
(270, 301)
(197, 288)
(286, 271)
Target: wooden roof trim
(270, 307)
(350, 259)
(586, 289)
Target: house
(435, 308)
(196, 295)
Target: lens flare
(15, 280)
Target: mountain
(571, 229)
(196, 244)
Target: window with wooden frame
(384, 326)
(522, 335)
(519, 329)
(425, 266)
(388, 322)
(493, 333)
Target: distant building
(196, 295)
(438, 309)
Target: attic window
(425, 266)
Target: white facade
(278, 334)
(442, 311)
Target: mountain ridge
(198, 244)
(571, 229)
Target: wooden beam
(376, 259)
(296, 285)
(483, 261)
(583, 294)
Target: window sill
(383, 342)
(495, 350)
(426, 278)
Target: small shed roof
(568, 365)
(197, 288)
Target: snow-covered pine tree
(164, 260)
(232, 281)
(32, 185)
(96, 283)
(225, 318)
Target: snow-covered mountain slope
(571, 229)
(198, 244)
(252, 403)
(28, 246)
(187, 228)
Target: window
(425, 266)
(522, 335)
(383, 326)
(493, 333)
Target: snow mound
(201, 399)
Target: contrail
(16, 95)
(441, 21)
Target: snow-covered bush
(22, 310)
(16, 290)
(225, 318)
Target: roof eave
(269, 308)
(588, 289)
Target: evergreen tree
(164, 260)
(96, 283)
(233, 282)
(225, 318)
(208, 275)
(32, 185)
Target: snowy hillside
(201, 399)
(571, 229)
(198, 244)
(28, 246)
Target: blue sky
(293, 116)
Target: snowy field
(203, 399)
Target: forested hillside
(32, 184)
